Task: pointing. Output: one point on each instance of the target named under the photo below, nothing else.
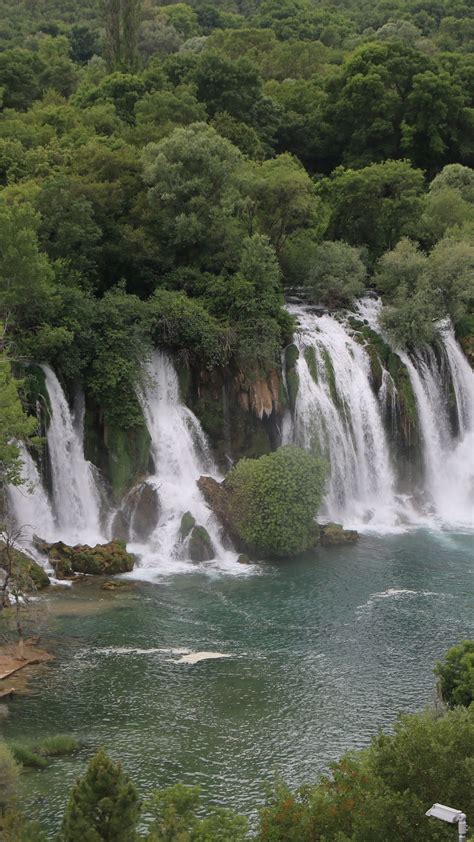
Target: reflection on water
(323, 652)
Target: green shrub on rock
(275, 500)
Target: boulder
(145, 506)
(334, 533)
(187, 524)
(217, 498)
(200, 545)
(138, 516)
(101, 560)
(29, 575)
(244, 559)
(121, 526)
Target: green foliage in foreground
(104, 805)
(175, 810)
(383, 792)
(275, 500)
(456, 675)
(9, 774)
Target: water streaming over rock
(337, 411)
(76, 499)
(181, 455)
(338, 414)
(447, 436)
(29, 503)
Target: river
(323, 651)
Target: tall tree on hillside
(113, 46)
(122, 20)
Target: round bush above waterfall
(275, 500)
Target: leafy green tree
(435, 120)
(400, 267)
(182, 17)
(19, 78)
(183, 323)
(103, 804)
(174, 812)
(226, 85)
(275, 500)
(123, 90)
(156, 37)
(389, 100)
(281, 199)
(59, 73)
(445, 209)
(450, 276)
(455, 177)
(15, 425)
(456, 675)
(410, 316)
(26, 277)
(190, 176)
(336, 274)
(159, 113)
(118, 347)
(68, 230)
(374, 206)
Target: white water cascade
(337, 412)
(76, 500)
(181, 455)
(29, 503)
(448, 455)
(338, 415)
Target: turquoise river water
(322, 653)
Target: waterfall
(338, 415)
(448, 454)
(29, 503)
(76, 498)
(181, 455)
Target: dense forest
(168, 170)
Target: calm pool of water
(323, 652)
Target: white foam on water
(197, 657)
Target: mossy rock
(187, 524)
(123, 455)
(200, 545)
(144, 504)
(332, 534)
(244, 559)
(29, 575)
(101, 560)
